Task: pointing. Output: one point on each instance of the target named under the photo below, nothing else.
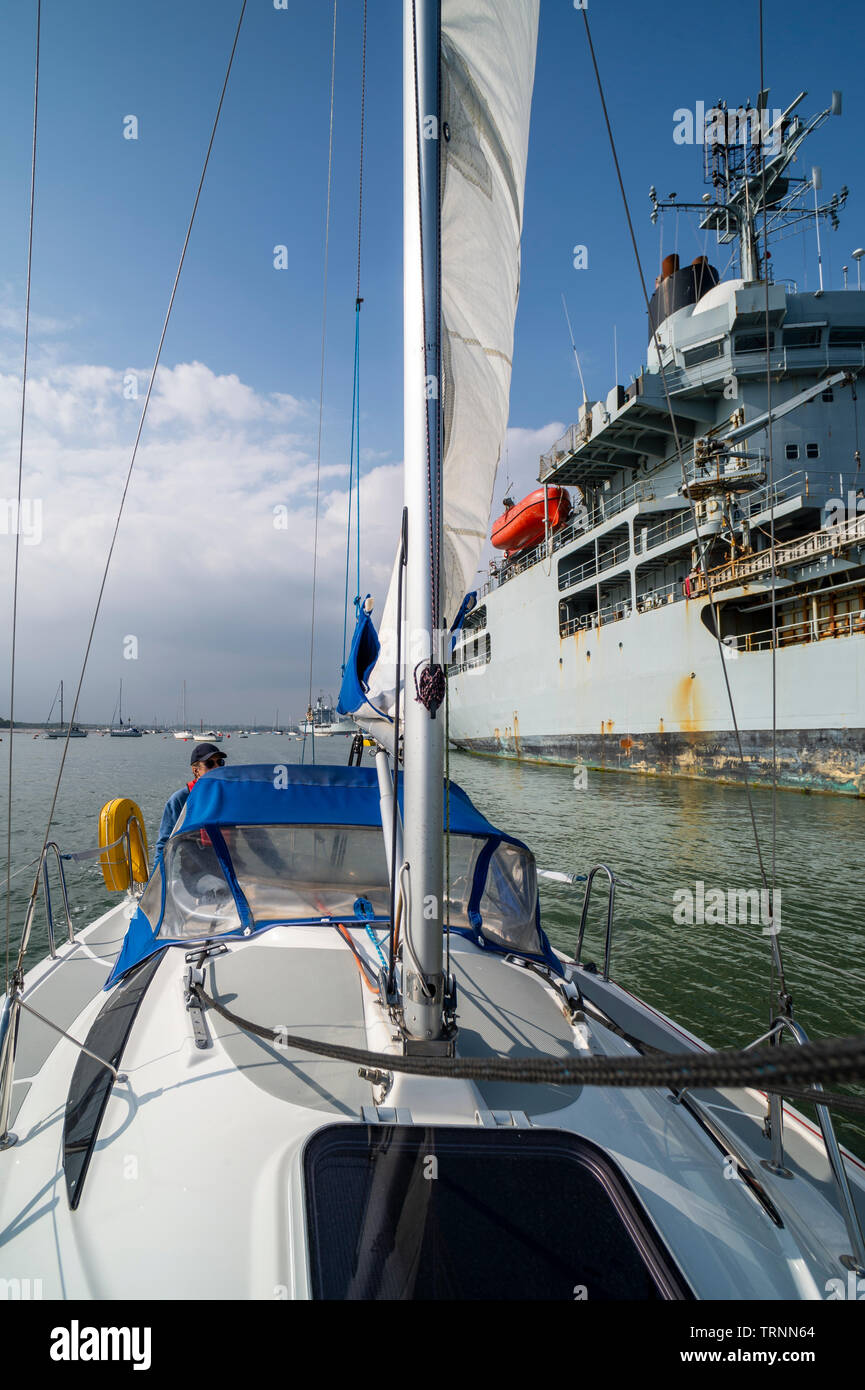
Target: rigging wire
(20, 492)
(680, 455)
(53, 703)
(355, 388)
(775, 959)
(131, 466)
(310, 722)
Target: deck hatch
(413, 1212)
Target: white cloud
(205, 573)
(216, 588)
(191, 394)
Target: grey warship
(719, 495)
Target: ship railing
(774, 1131)
(568, 444)
(470, 665)
(664, 594)
(581, 523)
(608, 560)
(610, 613)
(825, 541)
(752, 503)
(664, 531)
(799, 359)
(803, 630)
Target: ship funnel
(669, 265)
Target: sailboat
(334, 992)
(75, 732)
(184, 731)
(124, 730)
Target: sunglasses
(215, 760)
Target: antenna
(817, 181)
(574, 348)
(857, 256)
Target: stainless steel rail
(608, 941)
(13, 1002)
(774, 1129)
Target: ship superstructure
(598, 643)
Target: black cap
(202, 751)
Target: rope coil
(431, 687)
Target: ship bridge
(632, 428)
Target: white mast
(422, 980)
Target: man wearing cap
(204, 757)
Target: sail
(488, 64)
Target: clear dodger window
(508, 903)
(300, 872)
(198, 900)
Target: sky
(211, 579)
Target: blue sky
(235, 434)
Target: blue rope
(374, 939)
(354, 449)
(357, 436)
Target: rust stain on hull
(687, 710)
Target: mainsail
(488, 62)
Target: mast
(121, 702)
(61, 707)
(748, 158)
(422, 981)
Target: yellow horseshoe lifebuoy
(113, 820)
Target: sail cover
(488, 67)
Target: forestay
(488, 64)
(261, 846)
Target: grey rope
(768, 1068)
(20, 487)
(150, 385)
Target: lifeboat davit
(523, 523)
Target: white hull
(187, 1120)
(646, 694)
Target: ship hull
(826, 760)
(647, 694)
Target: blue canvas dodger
(279, 794)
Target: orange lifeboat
(523, 523)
